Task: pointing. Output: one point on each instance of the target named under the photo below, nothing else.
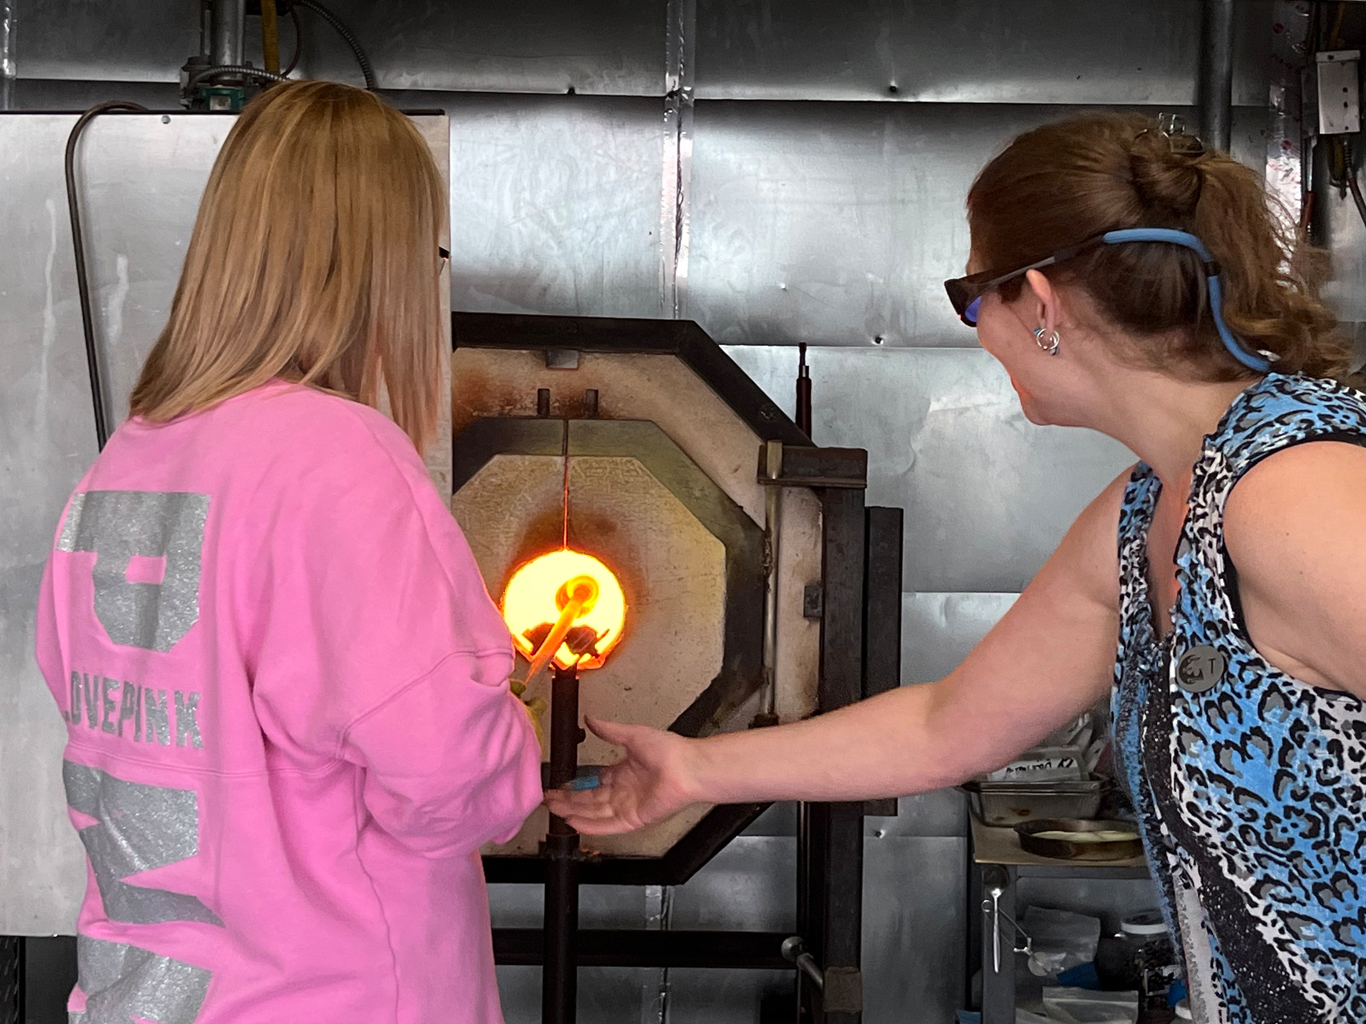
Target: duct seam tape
(7, 68)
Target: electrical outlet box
(1339, 91)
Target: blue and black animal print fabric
(1251, 794)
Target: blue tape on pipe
(586, 781)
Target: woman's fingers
(618, 734)
(567, 802)
(640, 789)
(604, 827)
(590, 819)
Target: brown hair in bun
(1071, 180)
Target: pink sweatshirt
(289, 724)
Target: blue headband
(1253, 361)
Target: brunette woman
(1132, 282)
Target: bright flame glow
(529, 602)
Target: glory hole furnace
(623, 484)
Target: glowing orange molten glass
(536, 597)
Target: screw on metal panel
(165, 118)
(878, 339)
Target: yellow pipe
(270, 36)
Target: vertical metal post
(1285, 172)
(803, 414)
(680, 32)
(837, 829)
(882, 614)
(229, 24)
(773, 520)
(13, 980)
(998, 945)
(805, 895)
(8, 71)
(206, 31)
(559, 979)
(1215, 88)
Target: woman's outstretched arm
(1049, 659)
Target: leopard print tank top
(1250, 786)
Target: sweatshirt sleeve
(447, 781)
(383, 648)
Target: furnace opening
(569, 593)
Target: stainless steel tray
(1010, 803)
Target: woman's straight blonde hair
(314, 259)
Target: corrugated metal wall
(780, 172)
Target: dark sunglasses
(966, 292)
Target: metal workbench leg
(997, 908)
(12, 979)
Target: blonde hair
(313, 259)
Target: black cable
(235, 69)
(78, 248)
(345, 33)
(298, 40)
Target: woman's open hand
(647, 785)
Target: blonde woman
(284, 683)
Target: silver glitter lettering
(75, 715)
(187, 720)
(91, 686)
(67, 540)
(108, 709)
(155, 713)
(138, 828)
(124, 983)
(137, 715)
(126, 706)
(117, 525)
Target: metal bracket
(816, 467)
(1339, 91)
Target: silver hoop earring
(1048, 341)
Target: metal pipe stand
(560, 977)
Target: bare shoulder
(1295, 497)
(1291, 527)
